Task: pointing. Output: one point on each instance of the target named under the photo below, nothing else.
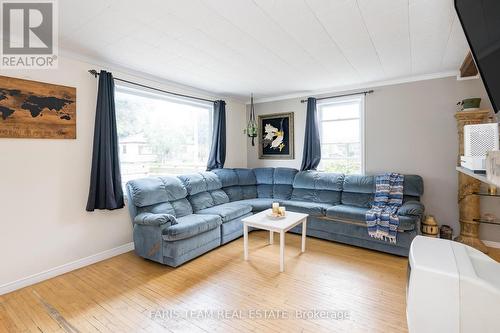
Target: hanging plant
(252, 124)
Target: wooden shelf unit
(469, 185)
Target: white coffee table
(263, 221)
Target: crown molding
(359, 86)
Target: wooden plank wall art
(31, 109)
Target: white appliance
(478, 140)
(451, 288)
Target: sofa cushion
(321, 196)
(200, 182)
(182, 207)
(359, 184)
(321, 187)
(282, 191)
(245, 176)
(219, 196)
(228, 177)
(201, 201)
(249, 192)
(227, 212)
(358, 199)
(316, 180)
(258, 204)
(346, 212)
(234, 193)
(264, 175)
(191, 225)
(311, 208)
(265, 190)
(194, 183)
(284, 176)
(153, 190)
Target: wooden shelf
(480, 177)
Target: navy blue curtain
(105, 180)
(312, 145)
(217, 155)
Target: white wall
(410, 128)
(44, 184)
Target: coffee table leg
(304, 226)
(282, 251)
(245, 240)
(271, 237)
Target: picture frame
(36, 110)
(276, 136)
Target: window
(158, 134)
(342, 134)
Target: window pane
(160, 136)
(340, 110)
(341, 149)
(341, 131)
(347, 166)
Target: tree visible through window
(161, 135)
(342, 132)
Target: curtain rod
(95, 74)
(344, 95)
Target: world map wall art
(276, 136)
(31, 109)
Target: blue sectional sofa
(176, 219)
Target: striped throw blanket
(382, 219)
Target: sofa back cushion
(152, 190)
(228, 177)
(247, 181)
(204, 190)
(283, 180)
(182, 207)
(318, 186)
(264, 180)
(159, 195)
(200, 182)
(238, 183)
(359, 190)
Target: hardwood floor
(130, 294)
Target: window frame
(362, 128)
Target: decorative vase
(430, 227)
(446, 232)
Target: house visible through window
(342, 134)
(161, 135)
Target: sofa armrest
(414, 208)
(163, 220)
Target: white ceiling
(269, 47)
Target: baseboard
(495, 245)
(71, 266)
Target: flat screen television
(480, 21)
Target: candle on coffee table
(276, 207)
(281, 211)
